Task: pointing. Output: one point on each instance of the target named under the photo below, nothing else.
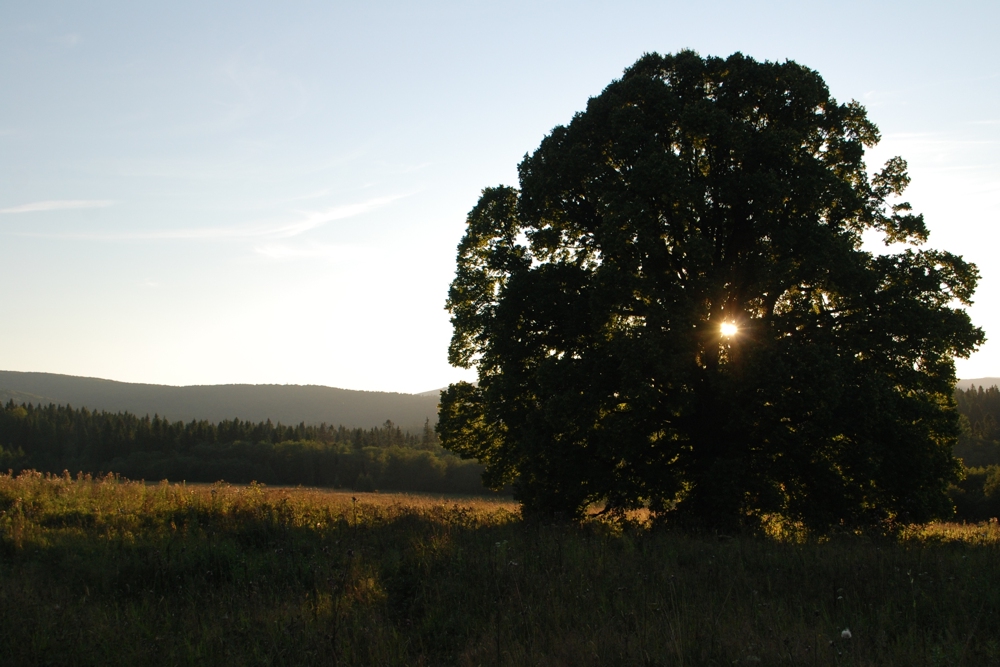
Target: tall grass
(103, 571)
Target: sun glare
(728, 329)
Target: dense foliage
(56, 438)
(675, 311)
(979, 442)
(99, 572)
(977, 495)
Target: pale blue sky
(201, 193)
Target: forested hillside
(979, 444)
(54, 438)
(23, 397)
(290, 404)
(57, 438)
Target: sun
(728, 329)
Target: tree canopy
(675, 311)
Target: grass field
(106, 572)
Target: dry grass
(109, 572)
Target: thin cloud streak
(313, 250)
(315, 219)
(933, 139)
(340, 252)
(58, 205)
(311, 220)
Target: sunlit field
(111, 572)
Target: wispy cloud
(307, 220)
(70, 40)
(312, 195)
(286, 251)
(58, 205)
(939, 138)
(907, 92)
(315, 219)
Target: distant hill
(23, 397)
(289, 404)
(979, 382)
(433, 393)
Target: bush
(977, 497)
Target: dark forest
(55, 438)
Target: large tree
(676, 311)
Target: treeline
(977, 497)
(979, 442)
(55, 438)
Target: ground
(103, 571)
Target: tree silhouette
(675, 311)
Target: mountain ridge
(287, 403)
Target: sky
(250, 192)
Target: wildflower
(846, 634)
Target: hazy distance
(288, 404)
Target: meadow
(110, 572)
